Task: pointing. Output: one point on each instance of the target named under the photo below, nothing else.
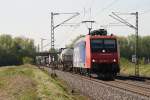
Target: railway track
(134, 87)
(145, 84)
(129, 86)
(141, 89)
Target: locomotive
(96, 53)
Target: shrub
(27, 60)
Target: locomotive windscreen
(98, 45)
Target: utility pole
(137, 47)
(135, 27)
(42, 44)
(53, 27)
(90, 26)
(52, 30)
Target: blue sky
(31, 18)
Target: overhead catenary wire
(129, 18)
(75, 27)
(106, 7)
(122, 20)
(64, 40)
(145, 12)
(53, 27)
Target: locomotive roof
(99, 32)
(103, 36)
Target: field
(129, 68)
(27, 82)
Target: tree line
(15, 51)
(128, 45)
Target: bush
(27, 60)
(142, 61)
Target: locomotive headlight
(114, 60)
(93, 60)
(103, 51)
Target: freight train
(66, 59)
(96, 53)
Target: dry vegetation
(29, 83)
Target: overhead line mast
(118, 18)
(55, 26)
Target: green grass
(129, 68)
(27, 82)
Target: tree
(13, 50)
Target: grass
(27, 82)
(129, 68)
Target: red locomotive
(97, 53)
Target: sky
(32, 18)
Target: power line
(141, 13)
(115, 16)
(74, 28)
(145, 12)
(107, 7)
(92, 3)
(48, 44)
(64, 40)
(53, 27)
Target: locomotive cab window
(110, 45)
(97, 45)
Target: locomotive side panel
(88, 52)
(79, 55)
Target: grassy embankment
(27, 82)
(129, 68)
